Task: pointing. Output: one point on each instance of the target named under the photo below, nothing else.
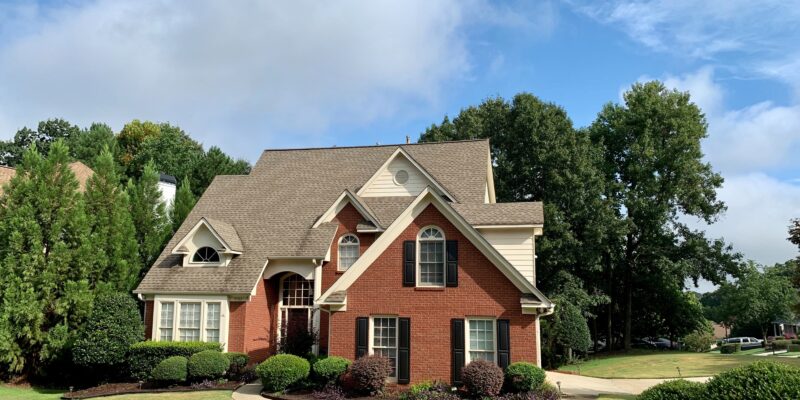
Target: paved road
(577, 386)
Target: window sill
(429, 289)
(339, 272)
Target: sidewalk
(251, 391)
(588, 387)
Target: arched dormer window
(205, 255)
(431, 257)
(348, 251)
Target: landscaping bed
(111, 389)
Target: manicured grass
(663, 364)
(19, 393)
(617, 397)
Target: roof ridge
(378, 145)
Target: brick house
(395, 250)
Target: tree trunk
(594, 332)
(628, 310)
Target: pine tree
(117, 263)
(149, 215)
(184, 201)
(45, 261)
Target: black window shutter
(362, 326)
(452, 263)
(503, 343)
(458, 349)
(409, 263)
(404, 351)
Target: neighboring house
(394, 250)
(787, 328)
(81, 171)
(167, 184)
(720, 331)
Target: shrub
(429, 390)
(482, 378)
(329, 392)
(795, 341)
(369, 373)
(678, 389)
(761, 380)
(104, 341)
(545, 392)
(238, 361)
(281, 371)
(781, 344)
(208, 364)
(794, 348)
(170, 370)
(144, 356)
(524, 377)
(698, 341)
(730, 348)
(330, 369)
(298, 340)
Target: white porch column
(315, 322)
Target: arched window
(431, 257)
(205, 255)
(348, 251)
(296, 304)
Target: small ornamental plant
(482, 379)
(369, 374)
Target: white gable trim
(416, 165)
(490, 179)
(428, 197)
(347, 197)
(202, 222)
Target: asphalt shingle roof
(273, 209)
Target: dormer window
(431, 257)
(348, 251)
(205, 255)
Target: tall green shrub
(114, 326)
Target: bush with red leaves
(482, 379)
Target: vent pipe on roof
(408, 139)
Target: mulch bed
(111, 389)
(305, 394)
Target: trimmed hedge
(678, 389)
(113, 327)
(281, 371)
(781, 344)
(144, 356)
(762, 380)
(170, 370)
(482, 378)
(238, 361)
(730, 348)
(207, 364)
(524, 377)
(330, 369)
(793, 348)
(369, 373)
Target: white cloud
(261, 72)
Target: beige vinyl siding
(384, 184)
(517, 246)
(202, 238)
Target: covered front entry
(296, 307)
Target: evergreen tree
(117, 263)
(149, 215)
(215, 162)
(45, 261)
(89, 143)
(184, 201)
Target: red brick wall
(348, 220)
(237, 315)
(252, 324)
(483, 291)
(149, 306)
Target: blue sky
(264, 74)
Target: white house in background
(167, 184)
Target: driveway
(576, 386)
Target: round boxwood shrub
(524, 377)
(330, 369)
(208, 364)
(678, 389)
(762, 380)
(144, 356)
(730, 348)
(114, 325)
(171, 370)
(282, 371)
(369, 373)
(482, 378)
(238, 362)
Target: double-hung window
(166, 321)
(383, 340)
(431, 257)
(189, 323)
(190, 319)
(212, 321)
(481, 339)
(348, 251)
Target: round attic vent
(401, 177)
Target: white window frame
(357, 245)
(204, 301)
(371, 336)
(468, 350)
(207, 263)
(418, 258)
(311, 308)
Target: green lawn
(662, 364)
(17, 393)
